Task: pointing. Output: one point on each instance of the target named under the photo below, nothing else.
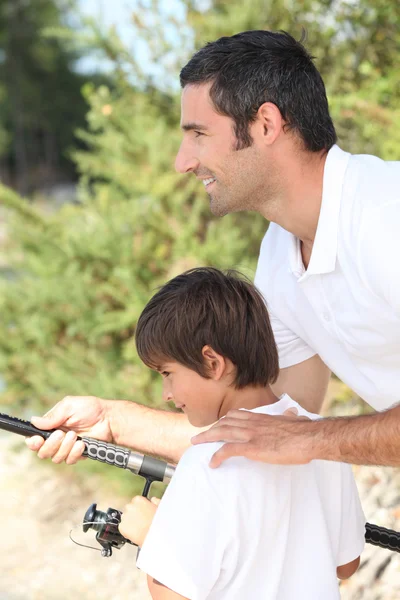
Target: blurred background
(93, 218)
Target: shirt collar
(323, 256)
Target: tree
(84, 274)
(42, 104)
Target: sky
(117, 12)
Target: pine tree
(83, 275)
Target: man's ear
(269, 122)
(214, 362)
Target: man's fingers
(65, 448)
(235, 413)
(35, 442)
(227, 451)
(59, 447)
(51, 445)
(292, 411)
(76, 453)
(52, 419)
(222, 432)
(227, 429)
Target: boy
(248, 530)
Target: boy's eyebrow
(193, 125)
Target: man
(257, 132)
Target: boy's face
(198, 397)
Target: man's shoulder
(273, 256)
(371, 181)
(195, 462)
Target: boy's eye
(165, 373)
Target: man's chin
(218, 209)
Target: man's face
(199, 398)
(233, 178)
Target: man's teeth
(208, 181)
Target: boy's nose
(166, 395)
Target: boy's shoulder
(284, 403)
(199, 456)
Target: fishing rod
(105, 523)
(152, 469)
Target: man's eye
(198, 133)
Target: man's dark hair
(253, 67)
(206, 306)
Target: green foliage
(41, 104)
(83, 274)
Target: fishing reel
(106, 524)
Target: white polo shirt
(346, 305)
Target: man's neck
(248, 397)
(298, 206)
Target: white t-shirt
(346, 305)
(254, 531)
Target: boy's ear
(215, 363)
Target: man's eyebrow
(193, 125)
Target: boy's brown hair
(206, 306)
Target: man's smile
(209, 181)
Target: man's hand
(75, 415)
(269, 438)
(137, 518)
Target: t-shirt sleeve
(379, 251)
(183, 549)
(352, 530)
(291, 349)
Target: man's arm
(151, 431)
(365, 440)
(148, 430)
(305, 382)
(167, 434)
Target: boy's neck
(248, 397)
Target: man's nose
(185, 162)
